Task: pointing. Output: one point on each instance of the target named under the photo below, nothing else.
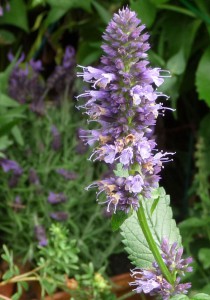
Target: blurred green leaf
(6, 101)
(6, 37)
(4, 142)
(67, 4)
(177, 63)
(203, 77)
(117, 219)
(17, 135)
(200, 296)
(157, 2)
(180, 297)
(4, 76)
(103, 13)
(203, 255)
(146, 11)
(16, 16)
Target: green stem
(152, 245)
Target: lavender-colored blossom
(56, 142)
(54, 198)
(10, 165)
(151, 281)
(59, 215)
(63, 75)
(25, 83)
(123, 102)
(33, 177)
(41, 235)
(67, 174)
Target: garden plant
(130, 87)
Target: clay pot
(7, 290)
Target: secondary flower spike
(123, 102)
(152, 281)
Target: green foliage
(161, 226)
(203, 77)
(16, 16)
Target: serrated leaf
(203, 77)
(200, 296)
(161, 224)
(118, 219)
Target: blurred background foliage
(180, 43)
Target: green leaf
(6, 37)
(200, 296)
(203, 255)
(120, 172)
(203, 77)
(4, 142)
(6, 101)
(67, 4)
(103, 13)
(193, 223)
(16, 16)
(177, 63)
(179, 297)
(4, 76)
(146, 11)
(161, 225)
(157, 2)
(17, 135)
(118, 219)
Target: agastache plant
(123, 101)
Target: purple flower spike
(56, 198)
(67, 174)
(41, 235)
(152, 281)
(56, 142)
(59, 216)
(122, 101)
(10, 165)
(33, 177)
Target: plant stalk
(152, 245)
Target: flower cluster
(123, 102)
(26, 84)
(152, 281)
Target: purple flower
(56, 198)
(67, 174)
(26, 85)
(10, 165)
(152, 282)
(63, 76)
(41, 235)
(122, 101)
(56, 142)
(33, 177)
(59, 215)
